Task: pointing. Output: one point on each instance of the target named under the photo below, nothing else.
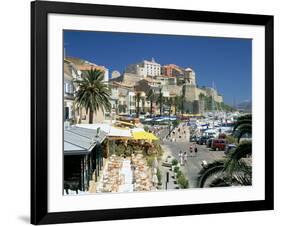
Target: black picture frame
(39, 112)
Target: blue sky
(225, 61)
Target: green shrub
(174, 162)
(176, 123)
(120, 150)
(182, 181)
(149, 160)
(179, 174)
(157, 146)
(176, 169)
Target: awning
(119, 132)
(143, 135)
(80, 141)
(112, 132)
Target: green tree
(160, 100)
(151, 98)
(243, 126)
(138, 99)
(92, 93)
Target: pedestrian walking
(185, 158)
(181, 157)
(191, 150)
(195, 149)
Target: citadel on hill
(173, 81)
(139, 88)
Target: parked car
(202, 140)
(209, 142)
(193, 139)
(219, 144)
(229, 148)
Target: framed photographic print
(144, 112)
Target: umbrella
(143, 135)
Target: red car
(218, 144)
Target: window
(70, 88)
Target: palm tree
(92, 93)
(212, 170)
(177, 100)
(160, 100)
(233, 170)
(243, 126)
(235, 161)
(151, 98)
(138, 98)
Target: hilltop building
(173, 81)
(172, 70)
(135, 84)
(145, 68)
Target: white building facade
(145, 68)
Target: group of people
(192, 153)
(178, 133)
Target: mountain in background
(245, 106)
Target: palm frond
(244, 129)
(244, 119)
(234, 162)
(208, 171)
(220, 182)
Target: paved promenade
(193, 166)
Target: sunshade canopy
(80, 141)
(143, 135)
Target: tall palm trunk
(151, 106)
(138, 106)
(161, 104)
(91, 115)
